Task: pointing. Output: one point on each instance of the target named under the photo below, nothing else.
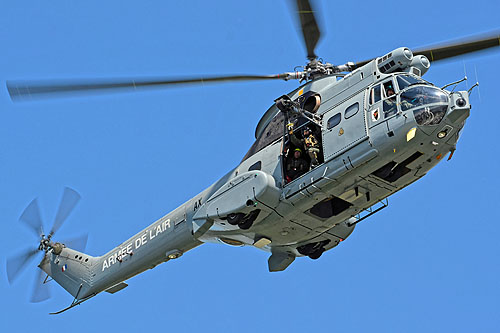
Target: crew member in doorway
(296, 166)
(310, 144)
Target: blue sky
(429, 262)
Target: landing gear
(316, 254)
(235, 218)
(249, 219)
(313, 250)
(243, 221)
(245, 224)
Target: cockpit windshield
(422, 95)
(429, 104)
(404, 81)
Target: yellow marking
(301, 91)
(306, 11)
(432, 56)
(411, 134)
(394, 149)
(341, 132)
(262, 242)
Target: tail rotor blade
(16, 264)
(31, 218)
(69, 200)
(41, 290)
(78, 243)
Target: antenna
(477, 83)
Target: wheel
(245, 224)
(235, 218)
(317, 253)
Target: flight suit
(296, 167)
(311, 146)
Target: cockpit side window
(375, 94)
(389, 89)
(389, 93)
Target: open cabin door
(344, 125)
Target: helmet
(298, 149)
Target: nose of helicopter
(458, 110)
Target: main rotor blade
(27, 90)
(78, 243)
(69, 200)
(309, 25)
(450, 50)
(31, 217)
(41, 290)
(465, 46)
(17, 263)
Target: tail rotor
(32, 219)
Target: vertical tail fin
(70, 269)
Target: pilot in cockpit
(389, 92)
(389, 104)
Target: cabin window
(334, 121)
(351, 111)
(375, 94)
(255, 166)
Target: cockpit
(431, 104)
(407, 92)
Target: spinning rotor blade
(69, 200)
(28, 90)
(31, 217)
(309, 26)
(41, 290)
(16, 264)
(475, 44)
(450, 50)
(78, 243)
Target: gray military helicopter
(327, 156)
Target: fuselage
(372, 144)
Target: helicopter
(371, 144)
